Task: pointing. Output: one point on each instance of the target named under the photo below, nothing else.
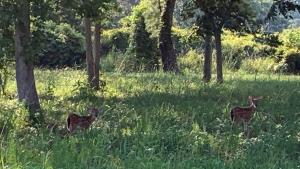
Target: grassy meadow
(154, 120)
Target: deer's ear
(259, 98)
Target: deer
(245, 113)
(75, 121)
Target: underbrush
(155, 120)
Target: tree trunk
(218, 44)
(207, 59)
(24, 67)
(97, 54)
(167, 51)
(89, 50)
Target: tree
(166, 47)
(211, 16)
(283, 7)
(20, 11)
(93, 11)
(89, 50)
(207, 58)
(143, 42)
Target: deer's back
(242, 113)
(80, 121)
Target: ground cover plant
(155, 120)
(150, 84)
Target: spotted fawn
(75, 121)
(244, 114)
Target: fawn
(245, 113)
(75, 121)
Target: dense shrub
(6, 55)
(142, 46)
(293, 62)
(270, 39)
(192, 61)
(288, 55)
(279, 50)
(119, 62)
(262, 65)
(58, 45)
(237, 48)
(288, 60)
(116, 40)
(291, 38)
(185, 40)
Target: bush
(116, 40)
(58, 45)
(186, 39)
(270, 39)
(293, 62)
(291, 38)
(288, 60)
(236, 48)
(119, 62)
(142, 46)
(191, 62)
(288, 55)
(262, 65)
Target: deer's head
(254, 100)
(95, 112)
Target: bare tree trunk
(219, 56)
(166, 47)
(97, 54)
(89, 50)
(207, 59)
(24, 66)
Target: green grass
(155, 120)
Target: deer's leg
(245, 127)
(71, 129)
(247, 131)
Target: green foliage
(82, 91)
(287, 55)
(259, 65)
(116, 40)
(291, 38)
(185, 40)
(142, 46)
(58, 45)
(214, 15)
(4, 74)
(237, 48)
(6, 51)
(285, 8)
(151, 15)
(192, 61)
(270, 39)
(120, 62)
(143, 126)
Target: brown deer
(75, 121)
(245, 113)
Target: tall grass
(155, 120)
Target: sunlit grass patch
(156, 120)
